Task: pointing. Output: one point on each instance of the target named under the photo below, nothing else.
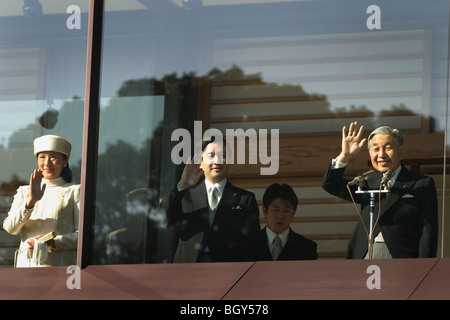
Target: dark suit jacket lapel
(199, 196)
(264, 246)
(227, 196)
(225, 200)
(391, 198)
(289, 247)
(195, 211)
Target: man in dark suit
(279, 207)
(407, 226)
(216, 220)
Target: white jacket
(57, 211)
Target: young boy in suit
(277, 241)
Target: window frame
(90, 133)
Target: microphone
(387, 176)
(364, 176)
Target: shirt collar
(56, 182)
(271, 235)
(394, 177)
(219, 185)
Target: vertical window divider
(90, 133)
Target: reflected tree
(129, 184)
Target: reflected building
(305, 68)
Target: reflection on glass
(63, 119)
(306, 68)
(42, 76)
(128, 179)
(129, 244)
(46, 212)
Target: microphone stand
(372, 206)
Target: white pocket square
(407, 196)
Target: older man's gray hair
(397, 134)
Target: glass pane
(296, 70)
(42, 84)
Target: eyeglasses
(283, 210)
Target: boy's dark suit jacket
(408, 217)
(297, 247)
(235, 224)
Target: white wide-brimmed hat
(52, 143)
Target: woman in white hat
(47, 210)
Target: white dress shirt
(271, 235)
